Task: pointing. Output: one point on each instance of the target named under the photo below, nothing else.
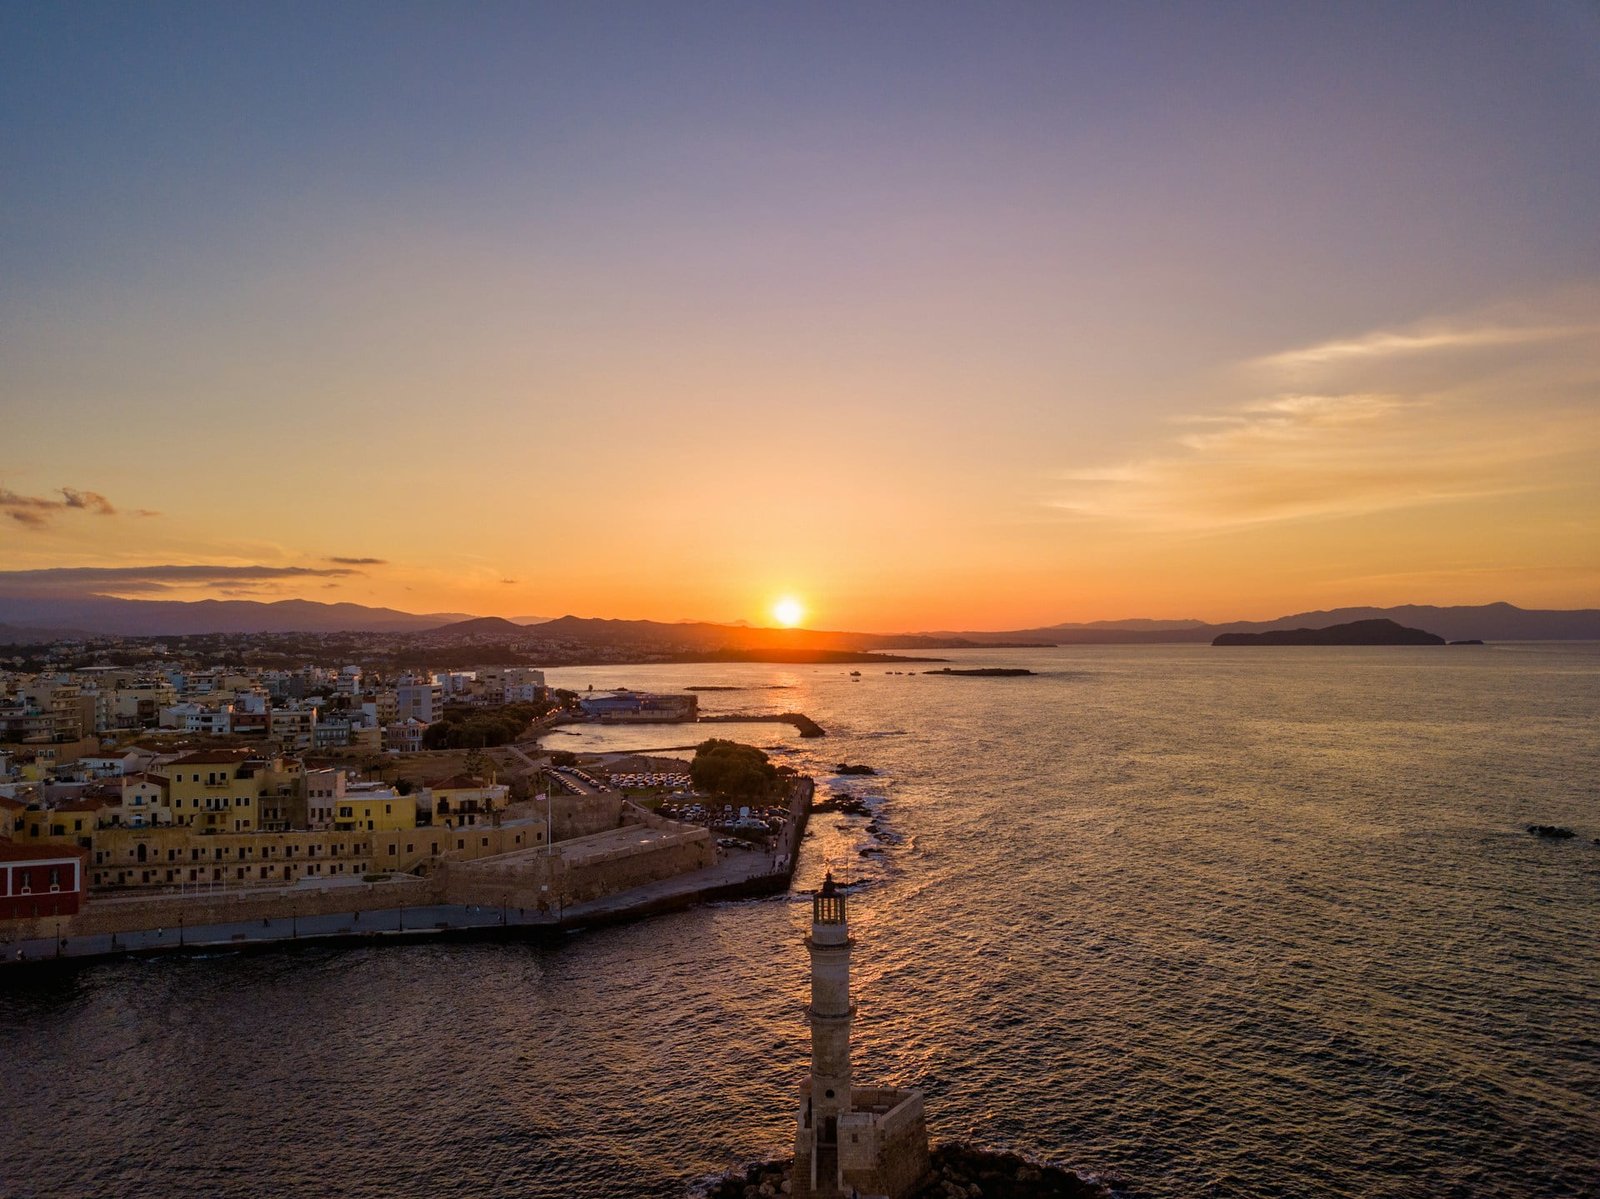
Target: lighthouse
(870, 1141)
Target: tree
(732, 771)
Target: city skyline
(991, 318)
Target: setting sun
(788, 611)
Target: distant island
(1360, 632)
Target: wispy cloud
(1380, 344)
(358, 561)
(37, 511)
(131, 580)
(1372, 435)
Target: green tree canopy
(732, 771)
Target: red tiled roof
(44, 851)
(87, 803)
(461, 782)
(215, 757)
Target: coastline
(386, 924)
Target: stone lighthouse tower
(848, 1139)
(830, 1011)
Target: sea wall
(126, 915)
(576, 872)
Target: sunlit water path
(1251, 922)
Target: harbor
(403, 909)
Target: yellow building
(377, 810)
(11, 813)
(219, 790)
(464, 800)
(131, 858)
(71, 823)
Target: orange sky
(978, 325)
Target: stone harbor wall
(903, 1163)
(692, 849)
(127, 915)
(575, 872)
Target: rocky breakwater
(802, 723)
(958, 1172)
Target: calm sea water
(1252, 922)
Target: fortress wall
(102, 916)
(903, 1160)
(521, 881)
(583, 815)
(695, 850)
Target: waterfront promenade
(736, 875)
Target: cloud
(1382, 343)
(36, 512)
(1375, 432)
(359, 561)
(509, 582)
(122, 580)
(89, 501)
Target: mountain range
(33, 619)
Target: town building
(640, 706)
(463, 801)
(40, 880)
(419, 699)
(217, 790)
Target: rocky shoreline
(959, 1172)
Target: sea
(1194, 921)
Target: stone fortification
(604, 845)
(128, 914)
(582, 869)
(955, 1169)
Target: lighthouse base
(879, 1147)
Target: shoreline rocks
(985, 672)
(839, 802)
(958, 1171)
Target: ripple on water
(1264, 927)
